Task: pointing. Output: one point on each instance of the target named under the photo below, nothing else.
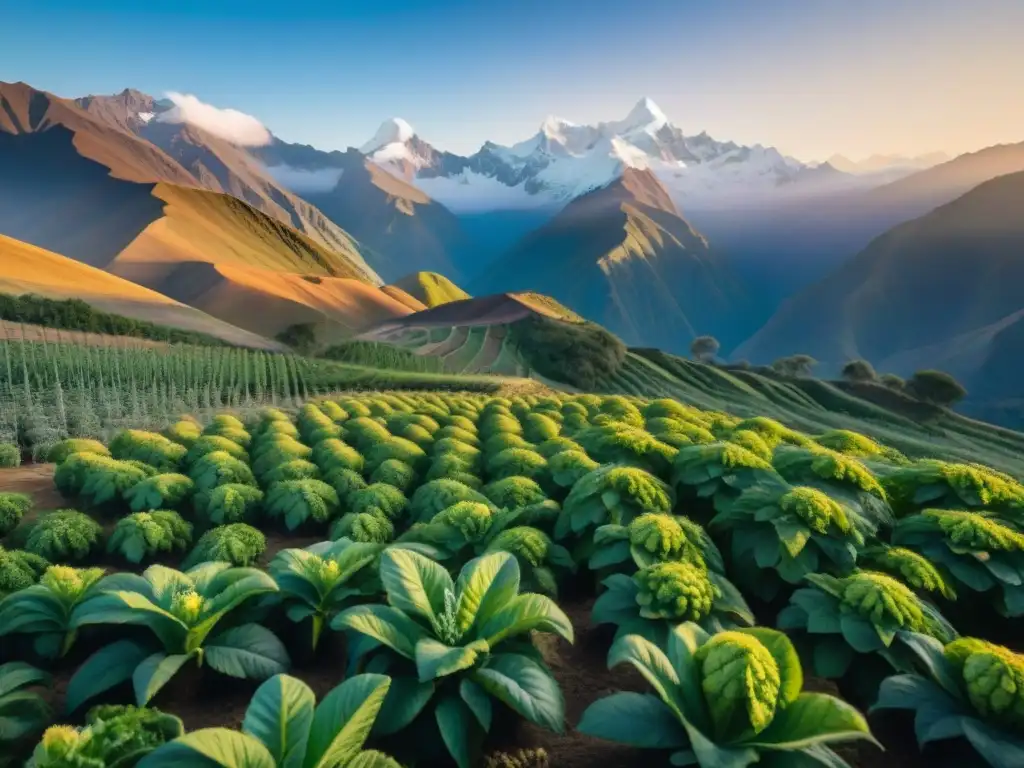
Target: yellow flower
(59, 740)
(187, 605)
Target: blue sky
(809, 76)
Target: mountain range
(658, 234)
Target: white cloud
(230, 124)
(301, 181)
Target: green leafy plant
(101, 481)
(655, 598)
(236, 544)
(317, 582)
(943, 485)
(23, 712)
(43, 610)
(969, 689)
(219, 468)
(182, 610)
(145, 535)
(296, 502)
(612, 494)
(568, 467)
(236, 434)
(215, 443)
(619, 443)
(166, 491)
(268, 454)
(183, 432)
(653, 538)
(453, 644)
(839, 620)
(13, 507)
(979, 551)
(521, 758)
(517, 462)
(149, 447)
(113, 737)
(719, 471)
(842, 477)
(71, 445)
(436, 495)
(284, 727)
(335, 454)
(296, 469)
(514, 492)
(345, 482)
(728, 699)
(64, 536)
(395, 473)
(230, 503)
(19, 569)
(10, 456)
(913, 569)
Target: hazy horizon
(809, 78)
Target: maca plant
(612, 494)
(849, 627)
(229, 503)
(318, 581)
(145, 535)
(13, 507)
(71, 445)
(219, 468)
(182, 611)
(43, 611)
(284, 727)
(436, 495)
(729, 699)
(210, 443)
(944, 485)
(719, 472)
(970, 689)
(23, 712)
(103, 481)
(236, 544)
(780, 533)
(114, 736)
(657, 597)
(980, 552)
(456, 646)
(296, 502)
(19, 570)
(653, 538)
(164, 491)
(149, 447)
(568, 467)
(64, 536)
(912, 568)
(623, 444)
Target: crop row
(451, 525)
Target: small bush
(65, 448)
(230, 503)
(183, 432)
(859, 370)
(64, 536)
(152, 448)
(13, 507)
(144, 535)
(10, 456)
(19, 570)
(210, 443)
(704, 348)
(380, 499)
(296, 469)
(345, 482)
(514, 492)
(396, 473)
(238, 544)
(299, 501)
(219, 468)
(166, 491)
(936, 387)
(520, 462)
(331, 454)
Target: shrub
(64, 536)
(210, 443)
(345, 482)
(104, 480)
(719, 471)
(396, 473)
(183, 432)
(458, 433)
(219, 468)
(378, 499)
(795, 365)
(147, 534)
(514, 492)
(364, 433)
(13, 507)
(894, 382)
(517, 462)
(436, 495)
(537, 427)
(462, 633)
(620, 443)
(334, 454)
(556, 445)
(149, 447)
(620, 410)
(753, 442)
(167, 491)
(10, 456)
(731, 698)
(612, 494)
(913, 569)
(936, 387)
(19, 569)
(653, 538)
(238, 544)
(229, 503)
(568, 467)
(182, 611)
(269, 455)
(934, 483)
(114, 736)
(296, 469)
(365, 527)
(300, 501)
(65, 448)
(704, 348)
(859, 370)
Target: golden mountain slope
(430, 288)
(25, 269)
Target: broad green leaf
(651, 662)
(785, 655)
(382, 623)
(111, 665)
(406, 698)
(435, 659)
(486, 585)
(414, 583)
(814, 718)
(525, 686)
(211, 746)
(683, 642)
(524, 613)
(832, 657)
(860, 634)
(930, 653)
(997, 747)
(154, 673)
(907, 692)
(478, 701)
(280, 715)
(248, 651)
(18, 674)
(342, 722)
(372, 759)
(132, 608)
(636, 719)
(460, 732)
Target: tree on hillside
(936, 387)
(795, 365)
(859, 370)
(704, 348)
(301, 337)
(892, 381)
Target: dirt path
(37, 481)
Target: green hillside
(431, 288)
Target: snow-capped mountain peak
(645, 116)
(393, 131)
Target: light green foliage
(719, 470)
(839, 470)
(98, 480)
(364, 527)
(283, 726)
(932, 483)
(612, 494)
(229, 503)
(238, 544)
(144, 535)
(219, 468)
(568, 467)
(501, 441)
(526, 543)
(296, 469)
(345, 482)
(333, 411)
(496, 422)
(334, 454)
(556, 445)
(674, 590)
(71, 473)
(453, 432)
(13, 507)
(378, 499)
(395, 448)
(436, 495)
(521, 758)
(471, 519)
(165, 491)
(975, 530)
(65, 448)
(415, 434)
(850, 443)
(19, 569)
(210, 443)
(622, 443)
(268, 454)
(181, 610)
(44, 610)
(517, 462)
(538, 427)
(299, 501)
(456, 643)
(514, 492)
(772, 432)
(912, 568)
(671, 409)
(395, 473)
(741, 683)
(23, 710)
(817, 511)
(150, 447)
(881, 599)
(236, 435)
(621, 410)
(728, 699)
(753, 442)
(183, 432)
(64, 536)
(364, 433)
(10, 456)
(466, 452)
(993, 677)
